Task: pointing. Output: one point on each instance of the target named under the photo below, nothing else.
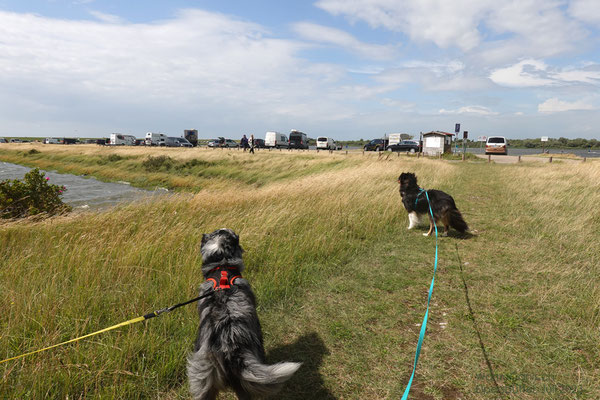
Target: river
(83, 192)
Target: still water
(83, 192)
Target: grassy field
(341, 284)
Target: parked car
(326, 143)
(259, 143)
(177, 142)
(411, 146)
(231, 143)
(2, 140)
(298, 140)
(15, 141)
(276, 140)
(222, 142)
(496, 145)
(376, 145)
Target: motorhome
(53, 140)
(118, 139)
(326, 143)
(191, 135)
(155, 139)
(276, 139)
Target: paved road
(515, 159)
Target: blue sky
(341, 68)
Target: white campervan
(326, 143)
(52, 140)
(394, 138)
(276, 139)
(155, 139)
(118, 139)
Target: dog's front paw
(426, 234)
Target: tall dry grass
(340, 282)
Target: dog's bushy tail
(457, 221)
(261, 379)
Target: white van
(118, 139)
(276, 139)
(496, 145)
(155, 139)
(326, 143)
(52, 140)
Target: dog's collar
(222, 277)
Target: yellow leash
(131, 321)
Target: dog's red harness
(222, 277)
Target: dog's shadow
(307, 382)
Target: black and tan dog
(228, 351)
(442, 204)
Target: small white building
(437, 142)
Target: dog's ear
(204, 238)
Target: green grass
(188, 170)
(341, 284)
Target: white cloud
(324, 34)
(585, 10)
(527, 73)
(435, 76)
(223, 67)
(108, 18)
(443, 22)
(555, 105)
(478, 110)
(534, 73)
(491, 31)
(398, 104)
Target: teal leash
(424, 324)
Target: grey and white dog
(229, 351)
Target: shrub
(32, 152)
(31, 196)
(114, 158)
(152, 164)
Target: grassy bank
(341, 284)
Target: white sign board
(544, 138)
(481, 138)
(433, 141)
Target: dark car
(405, 145)
(376, 145)
(259, 143)
(2, 140)
(297, 140)
(177, 142)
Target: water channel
(83, 192)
